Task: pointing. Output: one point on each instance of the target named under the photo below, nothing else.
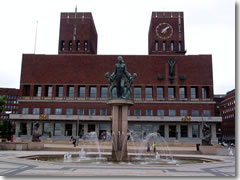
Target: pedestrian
(148, 147)
(154, 147)
(73, 140)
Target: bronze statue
(120, 76)
(36, 134)
(171, 63)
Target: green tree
(2, 102)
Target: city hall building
(173, 92)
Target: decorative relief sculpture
(206, 132)
(36, 133)
(171, 63)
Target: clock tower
(166, 33)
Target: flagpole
(35, 44)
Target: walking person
(148, 147)
(73, 140)
(154, 147)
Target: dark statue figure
(120, 76)
(171, 63)
(36, 133)
(206, 131)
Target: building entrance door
(91, 128)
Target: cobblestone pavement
(11, 165)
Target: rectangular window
(85, 45)
(70, 91)
(82, 91)
(103, 111)
(26, 90)
(46, 129)
(80, 111)
(172, 112)
(193, 92)
(149, 112)
(69, 111)
(137, 112)
(172, 131)
(58, 111)
(160, 93)
(137, 92)
(78, 46)
(156, 45)
(62, 45)
(104, 92)
(93, 92)
(148, 92)
(36, 111)
(48, 91)
(172, 46)
(179, 46)
(171, 92)
(23, 128)
(47, 110)
(68, 129)
(184, 131)
(160, 112)
(37, 90)
(195, 131)
(183, 112)
(195, 112)
(70, 46)
(57, 129)
(206, 113)
(92, 111)
(59, 92)
(161, 130)
(25, 110)
(205, 92)
(164, 46)
(182, 92)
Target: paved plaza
(11, 165)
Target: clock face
(164, 30)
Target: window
(195, 112)
(161, 130)
(57, 129)
(149, 112)
(59, 92)
(171, 92)
(172, 112)
(70, 46)
(82, 91)
(164, 46)
(68, 129)
(36, 111)
(160, 112)
(183, 112)
(205, 92)
(80, 111)
(70, 91)
(184, 131)
(193, 92)
(137, 112)
(172, 46)
(85, 45)
(147, 129)
(58, 111)
(195, 131)
(92, 111)
(137, 92)
(23, 128)
(148, 92)
(182, 92)
(156, 45)
(172, 131)
(62, 45)
(47, 110)
(37, 90)
(206, 113)
(160, 92)
(114, 92)
(91, 128)
(24, 110)
(93, 92)
(179, 46)
(46, 129)
(48, 91)
(103, 111)
(69, 111)
(104, 92)
(78, 46)
(26, 90)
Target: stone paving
(11, 165)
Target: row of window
(164, 46)
(11, 102)
(70, 46)
(10, 107)
(229, 116)
(229, 104)
(137, 91)
(228, 110)
(103, 111)
(10, 96)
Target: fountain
(92, 136)
(67, 157)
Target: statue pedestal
(119, 128)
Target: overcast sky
(122, 28)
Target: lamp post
(77, 129)
(8, 112)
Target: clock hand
(164, 30)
